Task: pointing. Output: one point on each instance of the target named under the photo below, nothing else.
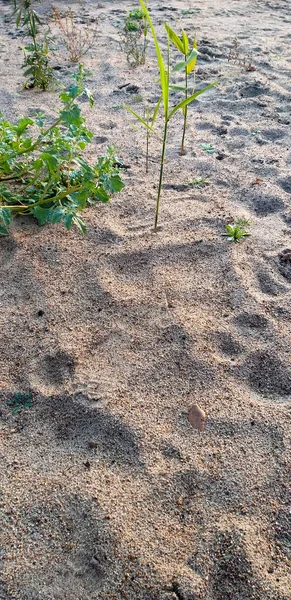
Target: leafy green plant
(199, 182)
(20, 401)
(77, 40)
(36, 54)
(237, 232)
(134, 37)
(168, 113)
(187, 65)
(44, 175)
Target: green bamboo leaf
(156, 110)
(179, 66)
(18, 18)
(191, 98)
(191, 66)
(193, 54)
(185, 42)
(163, 73)
(175, 38)
(139, 118)
(179, 88)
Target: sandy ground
(107, 492)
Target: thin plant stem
(147, 138)
(56, 198)
(164, 144)
(161, 174)
(182, 151)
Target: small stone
(92, 444)
(197, 417)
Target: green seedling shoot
(208, 148)
(237, 232)
(187, 65)
(168, 112)
(20, 401)
(199, 182)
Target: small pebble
(197, 417)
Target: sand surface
(107, 492)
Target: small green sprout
(190, 11)
(137, 14)
(208, 148)
(199, 182)
(136, 99)
(237, 232)
(20, 401)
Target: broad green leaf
(140, 118)
(72, 116)
(65, 97)
(3, 230)
(68, 220)
(57, 214)
(175, 39)
(73, 91)
(101, 195)
(43, 215)
(115, 184)
(50, 160)
(80, 198)
(5, 216)
(190, 99)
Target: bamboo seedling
(168, 112)
(188, 66)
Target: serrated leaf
(5, 216)
(72, 116)
(68, 220)
(3, 230)
(73, 91)
(42, 215)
